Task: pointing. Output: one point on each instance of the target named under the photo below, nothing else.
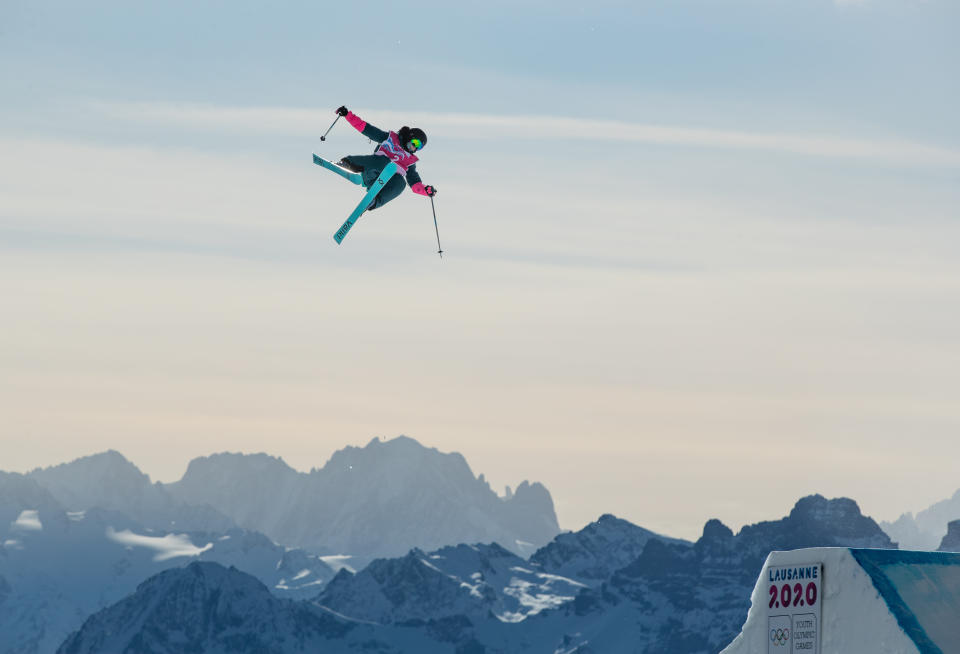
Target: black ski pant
(373, 165)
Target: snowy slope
(873, 602)
(204, 608)
(380, 500)
(675, 598)
(596, 551)
(215, 610)
(468, 580)
(685, 599)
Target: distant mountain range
(59, 566)
(79, 536)
(674, 597)
(928, 528)
(109, 481)
(380, 500)
(596, 551)
(242, 555)
(208, 608)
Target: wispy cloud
(537, 127)
(167, 547)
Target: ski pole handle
(324, 137)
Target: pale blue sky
(685, 242)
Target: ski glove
(342, 111)
(423, 190)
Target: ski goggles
(416, 143)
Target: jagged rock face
(19, 493)
(951, 542)
(904, 532)
(380, 500)
(109, 481)
(238, 485)
(816, 518)
(927, 528)
(814, 522)
(59, 567)
(103, 480)
(204, 608)
(466, 580)
(111, 550)
(693, 598)
(592, 554)
(673, 598)
(398, 590)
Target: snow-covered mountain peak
(714, 530)
(95, 480)
(206, 576)
(819, 508)
(401, 589)
(927, 528)
(237, 462)
(378, 500)
(204, 607)
(20, 492)
(399, 457)
(478, 581)
(840, 518)
(594, 552)
(109, 481)
(674, 596)
(717, 540)
(531, 494)
(110, 463)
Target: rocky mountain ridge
(379, 500)
(676, 597)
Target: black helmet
(407, 134)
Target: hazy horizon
(174, 476)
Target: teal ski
(356, 178)
(375, 188)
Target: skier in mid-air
(398, 147)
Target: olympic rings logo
(779, 637)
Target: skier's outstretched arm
(362, 126)
(416, 184)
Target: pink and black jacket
(390, 147)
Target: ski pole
(324, 137)
(434, 209)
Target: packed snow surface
(874, 602)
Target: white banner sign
(793, 616)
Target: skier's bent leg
(393, 188)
